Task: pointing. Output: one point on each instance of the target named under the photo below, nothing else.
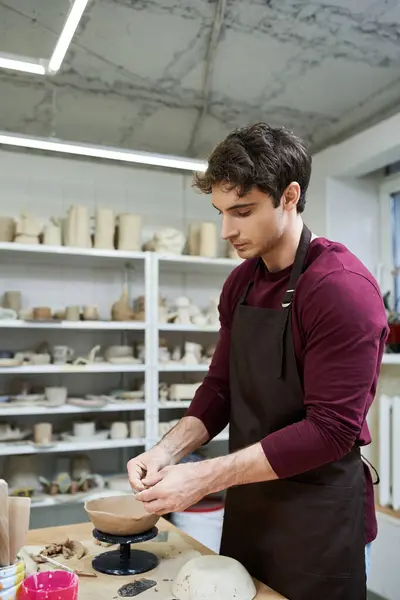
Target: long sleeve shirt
(339, 332)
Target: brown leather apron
(304, 536)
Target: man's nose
(228, 231)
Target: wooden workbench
(39, 537)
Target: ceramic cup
(62, 354)
(119, 430)
(90, 313)
(42, 312)
(73, 313)
(56, 395)
(137, 429)
(85, 429)
(42, 433)
(12, 300)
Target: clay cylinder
(129, 232)
(12, 300)
(208, 240)
(105, 227)
(194, 239)
(77, 232)
(7, 229)
(52, 235)
(42, 433)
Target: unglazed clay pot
(214, 576)
(119, 515)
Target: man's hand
(147, 465)
(174, 488)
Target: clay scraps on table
(69, 549)
(135, 588)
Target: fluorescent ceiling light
(67, 34)
(18, 64)
(108, 153)
(52, 66)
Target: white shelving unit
(75, 325)
(28, 448)
(71, 369)
(153, 266)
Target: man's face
(251, 224)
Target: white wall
(352, 206)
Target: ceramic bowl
(213, 576)
(119, 351)
(119, 515)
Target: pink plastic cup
(50, 585)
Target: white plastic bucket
(203, 522)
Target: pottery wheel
(125, 561)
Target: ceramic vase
(77, 231)
(193, 245)
(105, 228)
(129, 232)
(52, 235)
(208, 240)
(7, 229)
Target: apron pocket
(314, 528)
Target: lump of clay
(213, 576)
(119, 515)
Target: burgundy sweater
(339, 333)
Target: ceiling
(175, 76)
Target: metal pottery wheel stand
(125, 561)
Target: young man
(303, 330)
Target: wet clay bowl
(119, 515)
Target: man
(303, 330)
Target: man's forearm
(188, 435)
(249, 465)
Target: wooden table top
(47, 535)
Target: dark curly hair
(258, 155)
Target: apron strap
(297, 270)
(298, 266)
(373, 469)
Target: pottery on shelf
(166, 241)
(122, 310)
(193, 241)
(104, 229)
(41, 313)
(212, 312)
(129, 232)
(90, 313)
(119, 352)
(77, 227)
(213, 576)
(140, 308)
(120, 515)
(52, 233)
(12, 299)
(7, 229)
(192, 355)
(208, 244)
(27, 229)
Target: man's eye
(246, 213)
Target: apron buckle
(287, 298)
